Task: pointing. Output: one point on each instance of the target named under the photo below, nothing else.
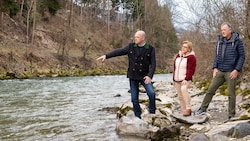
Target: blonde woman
(184, 68)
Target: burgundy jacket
(184, 67)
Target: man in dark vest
(141, 68)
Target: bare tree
(71, 13)
(28, 20)
(21, 10)
(208, 16)
(34, 12)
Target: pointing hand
(102, 58)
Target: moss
(123, 111)
(246, 106)
(244, 117)
(223, 90)
(198, 94)
(163, 112)
(96, 72)
(158, 99)
(203, 84)
(143, 100)
(245, 92)
(169, 105)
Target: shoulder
(151, 46)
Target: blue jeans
(134, 89)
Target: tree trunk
(27, 20)
(248, 19)
(34, 22)
(21, 10)
(108, 18)
(71, 14)
(1, 19)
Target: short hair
(228, 24)
(190, 44)
(141, 32)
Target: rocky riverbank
(169, 124)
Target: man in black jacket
(142, 64)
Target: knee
(183, 89)
(151, 92)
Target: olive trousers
(217, 81)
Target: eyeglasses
(185, 46)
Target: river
(63, 108)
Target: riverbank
(214, 125)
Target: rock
(164, 125)
(219, 137)
(131, 125)
(226, 129)
(167, 132)
(241, 130)
(201, 127)
(191, 119)
(199, 137)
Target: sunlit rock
(131, 125)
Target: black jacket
(141, 60)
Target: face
(185, 48)
(139, 38)
(226, 31)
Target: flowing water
(63, 108)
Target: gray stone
(219, 137)
(131, 125)
(199, 137)
(190, 119)
(224, 129)
(241, 130)
(167, 132)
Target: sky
(181, 15)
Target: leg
(185, 95)
(231, 83)
(178, 89)
(151, 95)
(134, 88)
(217, 81)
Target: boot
(187, 112)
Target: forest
(64, 37)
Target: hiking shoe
(199, 112)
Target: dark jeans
(134, 88)
(217, 81)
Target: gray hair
(228, 24)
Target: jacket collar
(145, 46)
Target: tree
(9, 6)
(205, 26)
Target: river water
(63, 108)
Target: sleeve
(241, 56)
(153, 64)
(191, 66)
(118, 52)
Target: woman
(184, 68)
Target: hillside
(56, 49)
